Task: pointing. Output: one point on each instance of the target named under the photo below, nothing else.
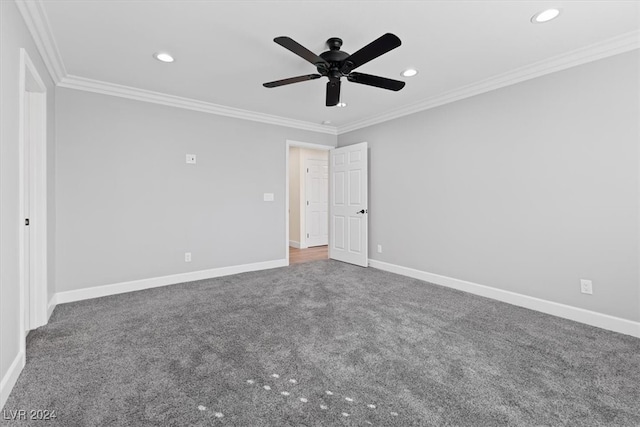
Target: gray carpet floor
(319, 344)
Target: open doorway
(307, 202)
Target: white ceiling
(224, 50)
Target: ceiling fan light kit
(335, 64)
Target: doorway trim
(31, 85)
(291, 143)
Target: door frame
(288, 144)
(31, 84)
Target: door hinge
(26, 221)
(307, 235)
(307, 203)
(307, 170)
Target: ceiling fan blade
(377, 81)
(292, 80)
(333, 93)
(371, 51)
(301, 51)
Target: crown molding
(113, 89)
(35, 18)
(613, 46)
(37, 22)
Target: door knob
(363, 211)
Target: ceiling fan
(335, 64)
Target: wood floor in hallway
(297, 256)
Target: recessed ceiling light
(326, 122)
(341, 104)
(163, 57)
(545, 16)
(409, 72)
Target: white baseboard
(9, 379)
(51, 306)
(581, 315)
(294, 244)
(138, 285)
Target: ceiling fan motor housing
(335, 57)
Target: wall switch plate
(586, 287)
(191, 159)
(379, 249)
(187, 257)
(268, 197)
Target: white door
(33, 194)
(317, 203)
(26, 188)
(348, 204)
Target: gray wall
(129, 207)
(528, 188)
(13, 36)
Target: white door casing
(316, 204)
(348, 198)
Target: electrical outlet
(379, 249)
(187, 257)
(586, 287)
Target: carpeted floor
(319, 344)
